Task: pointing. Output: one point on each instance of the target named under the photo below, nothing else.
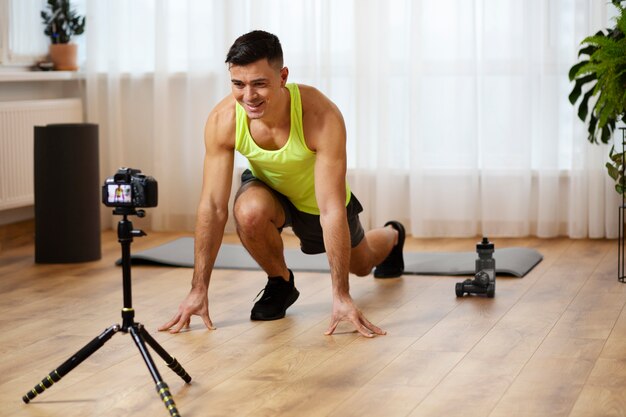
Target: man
(295, 141)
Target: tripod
(139, 334)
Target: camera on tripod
(126, 190)
(130, 188)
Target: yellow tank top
(288, 170)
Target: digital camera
(130, 188)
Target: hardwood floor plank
(551, 381)
(401, 385)
(551, 343)
(519, 324)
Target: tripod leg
(71, 363)
(171, 362)
(161, 386)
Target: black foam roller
(67, 193)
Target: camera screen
(119, 193)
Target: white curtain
(457, 112)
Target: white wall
(41, 86)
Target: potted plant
(604, 70)
(61, 23)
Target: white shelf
(29, 76)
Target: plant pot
(64, 56)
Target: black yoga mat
(67, 193)
(515, 261)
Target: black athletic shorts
(307, 226)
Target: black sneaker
(278, 295)
(393, 265)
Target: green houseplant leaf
(61, 22)
(601, 75)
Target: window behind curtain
(22, 41)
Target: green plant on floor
(61, 22)
(603, 72)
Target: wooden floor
(550, 344)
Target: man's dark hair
(254, 46)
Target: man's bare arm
(329, 143)
(330, 189)
(211, 216)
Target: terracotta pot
(63, 55)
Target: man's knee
(360, 259)
(254, 209)
(250, 214)
(360, 269)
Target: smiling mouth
(254, 106)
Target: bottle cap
(485, 244)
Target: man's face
(255, 86)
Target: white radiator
(17, 122)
